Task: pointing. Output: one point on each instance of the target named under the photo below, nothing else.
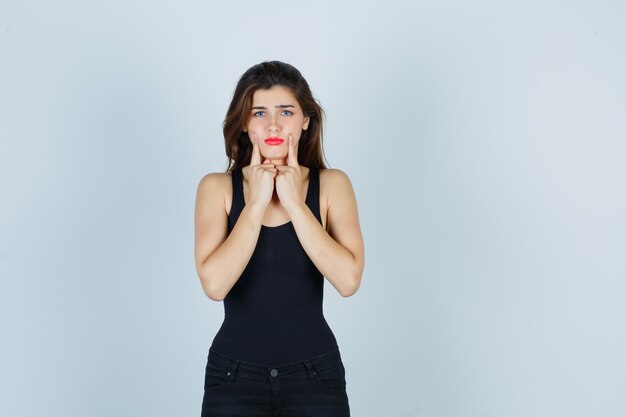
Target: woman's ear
(305, 125)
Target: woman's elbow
(211, 291)
(213, 295)
(353, 285)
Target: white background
(486, 145)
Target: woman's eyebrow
(280, 106)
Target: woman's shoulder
(216, 183)
(333, 175)
(334, 181)
(216, 179)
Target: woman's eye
(259, 113)
(287, 113)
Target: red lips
(274, 141)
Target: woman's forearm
(221, 270)
(333, 260)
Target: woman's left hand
(289, 179)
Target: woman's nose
(273, 124)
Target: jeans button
(274, 372)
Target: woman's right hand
(260, 177)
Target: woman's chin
(275, 155)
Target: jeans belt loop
(234, 367)
(309, 369)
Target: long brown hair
(264, 76)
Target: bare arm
(339, 254)
(220, 257)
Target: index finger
(256, 153)
(292, 157)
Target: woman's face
(275, 114)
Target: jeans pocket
(332, 376)
(216, 375)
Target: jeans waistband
(298, 369)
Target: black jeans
(313, 387)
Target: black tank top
(273, 314)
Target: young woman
(267, 232)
